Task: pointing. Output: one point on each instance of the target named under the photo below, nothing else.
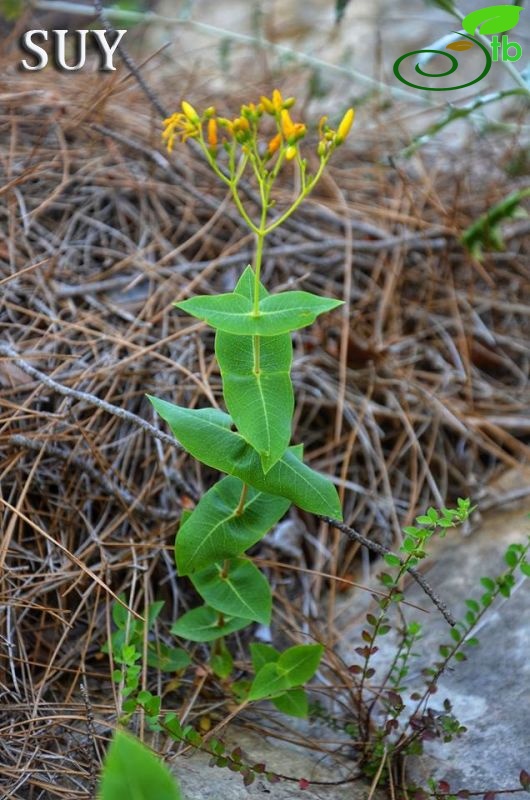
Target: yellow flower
(277, 104)
(287, 125)
(290, 152)
(293, 131)
(277, 100)
(226, 123)
(190, 113)
(251, 112)
(268, 106)
(179, 125)
(241, 129)
(345, 126)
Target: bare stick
(128, 61)
(382, 551)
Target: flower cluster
(211, 130)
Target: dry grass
(414, 395)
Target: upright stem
(258, 257)
(241, 506)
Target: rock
(199, 781)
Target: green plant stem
(241, 505)
(303, 194)
(237, 199)
(231, 181)
(258, 257)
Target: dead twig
(382, 551)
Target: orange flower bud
(274, 144)
(212, 133)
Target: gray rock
(199, 781)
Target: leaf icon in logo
(493, 19)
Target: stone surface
(491, 690)
(199, 781)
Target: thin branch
(129, 62)
(382, 551)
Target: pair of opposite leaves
(254, 353)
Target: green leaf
(301, 662)
(167, 659)
(294, 667)
(153, 611)
(392, 560)
(294, 702)
(206, 434)
(269, 681)
(236, 588)
(511, 558)
(524, 566)
(203, 625)
(132, 771)
(262, 654)
(222, 662)
(213, 531)
(488, 583)
(120, 614)
(493, 19)
(261, 403)
(278, 313)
